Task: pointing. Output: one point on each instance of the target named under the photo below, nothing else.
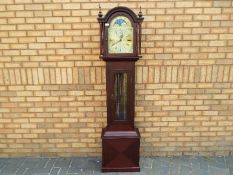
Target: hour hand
(121, 36)
(116, 42)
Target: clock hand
(116, 42)
(121, 36)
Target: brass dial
(120, 36)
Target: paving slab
(231, 170)
(174, 169)
(218, 171)
(55, 171)
(184, 165)
(198, 171)
(185, 170)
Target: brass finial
(100, 12)
(140, 13)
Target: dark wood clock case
(120, 139)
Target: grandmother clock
(120, 47)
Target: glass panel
(120, 90)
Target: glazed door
(120, 92)
(119, 96)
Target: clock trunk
(120, 93)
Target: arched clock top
(121, 9)
(120, 34)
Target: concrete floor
(186, 165)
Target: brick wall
(52, 83)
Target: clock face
(120, 35)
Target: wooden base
(121, 169)
(120, 150)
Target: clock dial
(120, 35)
